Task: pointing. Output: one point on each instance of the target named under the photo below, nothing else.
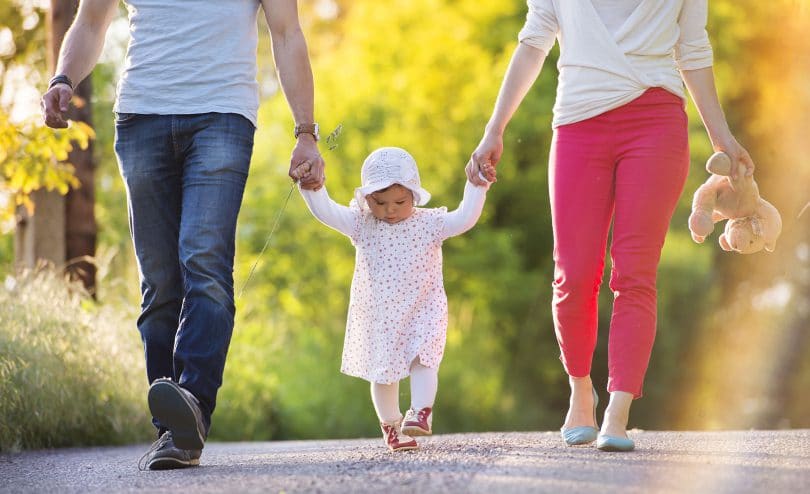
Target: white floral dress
(398, 306)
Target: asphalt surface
(664, 462)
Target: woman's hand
(484, 159)
(740, 159)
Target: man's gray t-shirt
(190, 56)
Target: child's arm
(468, 211)
(328, 212)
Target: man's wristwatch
(311, 129)
(60, 79)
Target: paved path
(665, 462)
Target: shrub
(71, 371)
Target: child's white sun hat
(388, 166)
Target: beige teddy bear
(753, 224)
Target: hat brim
(420, 195)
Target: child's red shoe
(418, 422)
(396, 440)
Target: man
(185, 120)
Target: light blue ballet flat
(583, 434)
(613, 443)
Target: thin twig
(267, 242)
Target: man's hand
(306, 151)
(54, 104)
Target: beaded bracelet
(60, 79)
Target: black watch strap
(60, 79)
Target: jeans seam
(175, 146)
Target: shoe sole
(415, 431)
(615, 445)
(172, 409)
(171, 464)
(404, 448)
(615, 449)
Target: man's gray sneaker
(179, 411)
(164, 455)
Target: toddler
(397, 319)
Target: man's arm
(78, 55)
(295, 75)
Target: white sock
(424, 384)
(386, 401)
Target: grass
(71, 370)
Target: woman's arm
(527, 61)
(693, 54)
(701, 86)
(469, 210)
(327, 211)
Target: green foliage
(71, 372)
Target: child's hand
(301, 171)
(489, 172)
(484, 172)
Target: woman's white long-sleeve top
(602, 68)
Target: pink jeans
(629, 165)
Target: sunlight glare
(327, 10)
(7, 46)
(775, 297)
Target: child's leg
(386, 401)
(424, 384)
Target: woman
(619, 153)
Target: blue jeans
(185, 176)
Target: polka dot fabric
(398, 307)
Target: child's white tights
(424, 384)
